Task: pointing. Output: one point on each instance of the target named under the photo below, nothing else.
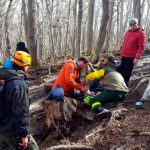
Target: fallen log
(71, 147)
(138, 134)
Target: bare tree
(74, 26)
(90, 24)
(6, 29)
(102, 31)
(67, 30)
(32, 30)
(109, 27)
(79, 29)
(25, 21)
(137, 10)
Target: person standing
(14, 106)
(132, 49)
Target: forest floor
(128, 128)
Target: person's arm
(141, 44)
(69, 75)
(20, 108)
(95, 75)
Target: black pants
(95, 86)
(125, 68)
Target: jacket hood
(74, 62)
(70, 61)
(6, 74)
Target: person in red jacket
(132, 49)
(68, 80)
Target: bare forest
(55, 28)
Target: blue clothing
(8, 64)
(58, 94)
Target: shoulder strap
(2, 82)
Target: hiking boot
(103, 114)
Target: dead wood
(58, 112)
(70, 147)
(140, 133)
(135, 88)
(52, 113)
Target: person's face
(103, 61)
(25, 68)
(133, 26)
(82, 65)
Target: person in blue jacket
(20, 47)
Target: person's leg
(104, 97)
(95, 86)
(56, 94)
(32, 144)
(126, 67)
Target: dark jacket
(133, 45)
(15, 102)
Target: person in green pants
(114, 85)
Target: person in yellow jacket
(114, 87)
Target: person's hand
(84, 89)
(24, 142)
(135, 61)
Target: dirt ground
(128, 128)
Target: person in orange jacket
(68, 80)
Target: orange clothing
(67, 78)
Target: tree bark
(79, 28)
(25, 21)
(8, 47)
(137, 10)
(102, 31)
(67, 30)
(74, 28)
(32, 31)
(109, 27)
(90, 24)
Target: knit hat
(133, 21)
(21, 47)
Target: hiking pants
(125, 68)
(104, 97)
(9, 143)
(95, 86)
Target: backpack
(3, 110)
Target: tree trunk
(137, 10)
(32, 31)
(121, 23)
(109, 28)
(102, 31)
(79, 29)
(74, 28)
(25, 22)
(8, 47)
(90, 24)
(118, 18)
(68, 20)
